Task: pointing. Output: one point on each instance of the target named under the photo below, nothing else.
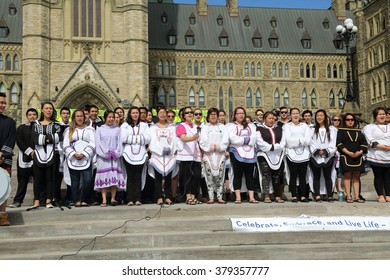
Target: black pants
(158, 185)
(44, 180)
(297, 170)
(240, 169)
(134, 182)
(327, 170)
(190, 173)
(381, 180)
(270, 175)
(23, 175)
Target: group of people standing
(109, 161)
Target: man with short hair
(25, 168)
(94, 116)
(7, 144)
(283, 116)
(307, 116)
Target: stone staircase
(186, 232)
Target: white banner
(309, 223)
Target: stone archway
(87, 94)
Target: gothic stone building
(123, 52)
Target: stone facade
(373, 51)
(73, 62)
(108, 67)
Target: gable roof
(13, 22)
(206, 30)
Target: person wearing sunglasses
(378, 156)
(171, 116)
(351, 145)
(283, 116)
(189, 156)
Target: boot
(4, 221)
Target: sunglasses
(336, 120)
(349, 120)
(283, 112)
(188, 112)
(198, 114)
(170, 116)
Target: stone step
(322, 251)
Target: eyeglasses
(336, 120)
(198, 114)
(283, 112)
(349, 120)
(188, 112)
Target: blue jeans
(81, 184)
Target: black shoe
(15, 204)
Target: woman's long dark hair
(211, 110)
(326, 123)
(53, 116)
(129, 120)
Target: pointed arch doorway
(87, 95)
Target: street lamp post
(347, 33)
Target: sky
(307, 4)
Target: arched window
(258, 98)
(221, 98)
(253, 70)
(286, 99)
(231, 101)
(87, 18)
(379, 86)
(162, 96)
(172, 98)
(313, 99)
(341, 99)
(246, 69)
(202, 100)
(304, 99)
(191, 97)
(16, 63)
(218, 69)
(8, 62)
(259, 69)
(196, 68)
(202, 69)
(276, 98)
(374, 88)
(286, 70)
(301, 71)
(166, 68)
(328, 72)
(2, 88)
(335, 71)
(341, 72)
(1, 62)
(249, 102)
(332, 103)
(307, 71)
(189, 68)
(280, 70)
(160, 68)
(313, 71)
(173, 68)
(14, 94)
(274, 70)
(224, 69)
(231, 69)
